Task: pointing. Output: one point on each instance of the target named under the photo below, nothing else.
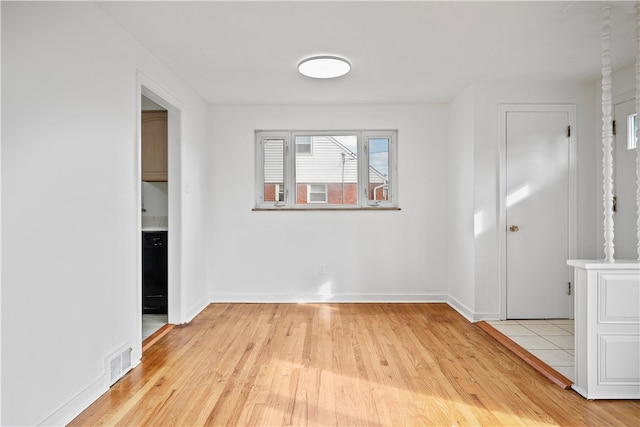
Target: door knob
(514, 228)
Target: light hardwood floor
(340, 364)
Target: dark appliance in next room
(154, 272)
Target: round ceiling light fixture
(324, 67)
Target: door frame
(503, 109)
(150, 89)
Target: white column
(607, 134)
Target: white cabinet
(607, 329)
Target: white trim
(196, 309)
(486, 316)
(325, 298)
(74, 407)
(462, 309)
(469, 314)
(503, 109)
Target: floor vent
(119, 365)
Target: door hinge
(613, 128)
(568, 131)
(569, 288)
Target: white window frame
(289, 203)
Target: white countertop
(598, 264)
(155, 223)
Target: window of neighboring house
(317, 193)
(304, 145)
(273, 170)
(632, 131)
(351, 169)
(280, 192)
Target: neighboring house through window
(351, 169)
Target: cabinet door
(154, 146)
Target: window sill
(327, 209)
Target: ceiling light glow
(324, 67)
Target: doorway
(537, 210)
(173, 108)
(155, 216)
(624, 181)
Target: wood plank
(331, 364)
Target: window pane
(632, 133)
(333, 162)
(303, 144)
(273, 170)
(379, 169)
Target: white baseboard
(320, 298)
(487, 316)
(468, 313)
(195, 309)
(74, 407)
(465, 311)
(67, 412)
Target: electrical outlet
(321, 269)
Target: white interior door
(537, 215)
(624, 185)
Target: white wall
(460, 200)
(70, 213)
(274, 256)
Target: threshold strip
(153, 338)
(537, 364)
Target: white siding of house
(323, 166)
(273, 161)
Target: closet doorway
(538, 208)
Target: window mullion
(259, 170)
(289, 172)
(363, 162)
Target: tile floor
(549, 340)
(151, 323)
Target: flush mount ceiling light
(324, 67)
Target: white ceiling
(240, 52)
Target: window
(303, 145)
(273, 170)
(632, 132)
(345, 170)
(317, 193)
